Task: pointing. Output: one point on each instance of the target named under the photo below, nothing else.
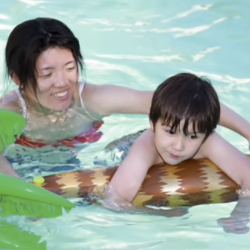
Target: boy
(184, 113)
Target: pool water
(139, 44)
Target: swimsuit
(76, 114)
(90, 136)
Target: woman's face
(57, 75)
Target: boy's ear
(15, 79)
(151, 125)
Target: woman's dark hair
(189, 97)
(29, 39)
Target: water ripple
(32, 3)
(157, 59)
(104, 66)
(181, 32)
(4, 17)
(188, 12)
(6, 27)
(203, 53)
(106, 22)
(223, 78)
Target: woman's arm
(6, 168)
(111, 99)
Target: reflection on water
(92, 227)
(139, 44)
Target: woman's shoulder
(10, 101)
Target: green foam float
(18, 197)
(12, 238)
(11, 126)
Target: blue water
(139, 44)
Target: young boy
(184, 113)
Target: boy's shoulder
(213, 141)
(147, 142)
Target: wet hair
(189, 97)
(29, 39)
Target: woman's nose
(60, 80)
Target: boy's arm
(131, 173)
(128, 179)
(235, 122)
(228, 158)
(236, 165)
(239, 218)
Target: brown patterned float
(190, 183)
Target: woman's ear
(15, 79)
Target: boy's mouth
(174, 156)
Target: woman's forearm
(6, 168)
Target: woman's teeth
(61, 94)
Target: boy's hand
(234, 224)
(115, 203)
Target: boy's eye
(169, 131)
(193, 136)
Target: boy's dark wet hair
(189, 97)
(29, 39)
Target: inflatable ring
(189, 183)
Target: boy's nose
(178, 144)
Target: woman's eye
(72, 68)
(46, 76)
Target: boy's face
(174, 146)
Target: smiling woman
(43, 58)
